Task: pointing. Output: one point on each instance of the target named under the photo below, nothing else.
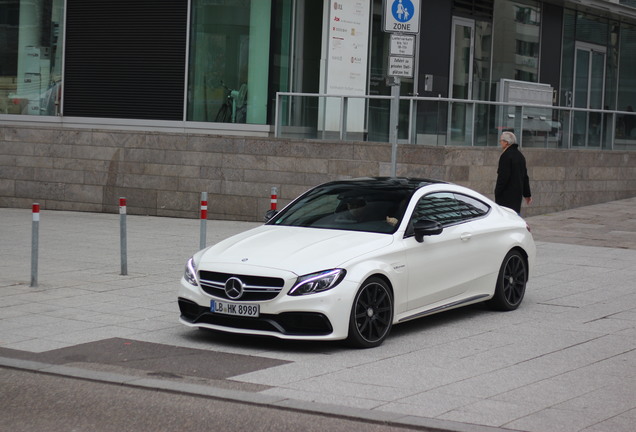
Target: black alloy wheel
(511, 282)
(371, 314)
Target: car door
(444, 266)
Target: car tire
(511, 282)
(371, 314)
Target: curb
(239, 396)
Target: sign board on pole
(401, 66)
(346, 65)
(347, 48)
(402, 16)
(402, 45)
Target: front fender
(393, 270)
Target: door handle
(465, 236)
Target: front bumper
(286, 323)
(321, 316)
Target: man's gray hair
(509, 137)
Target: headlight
(191, 272)
(317, 282)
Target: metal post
(122, 236)
(472, 124)
(204, 219)
(277, 115)
(570, 128)
(393, 122)
(412, 121)
(274, 198)
(344, 103)
(518, 127)
(35, 244)
(612, 125)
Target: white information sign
(348, 47)
(401, 66)
(402, 45)
(402, 16)
(347, 62)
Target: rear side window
(449, 208)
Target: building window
(30, 56)
(527, 49)
(229, 61)
(516, 42)
(527, 15)
(627, 82)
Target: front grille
(288, 323)
(257, 288)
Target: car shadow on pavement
(270, 343)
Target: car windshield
(354, 206)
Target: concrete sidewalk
(565, 361)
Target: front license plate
(237, 309)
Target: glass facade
(590, 77)
(516, 55)
(229, 60)
(31, 37)
(471, 42)
(481, 79)
(626, 101)
(240, 53)
(379, 109)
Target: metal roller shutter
(125, 59)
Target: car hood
(296, 249)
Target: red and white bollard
(274, 198)
(123, 242)
(204, 218)
(35, 235)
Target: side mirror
(270, 214)
(426, 227)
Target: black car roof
(387, 183)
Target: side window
(472, 208)
(448, 208)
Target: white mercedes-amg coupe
(349, 259)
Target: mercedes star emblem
(234, 288)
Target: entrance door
(589, 90)
(460, 114)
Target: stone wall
(163, 174)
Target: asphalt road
(34, 402)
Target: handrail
(563, 116)
(456, 100)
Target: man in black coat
(512, 176)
